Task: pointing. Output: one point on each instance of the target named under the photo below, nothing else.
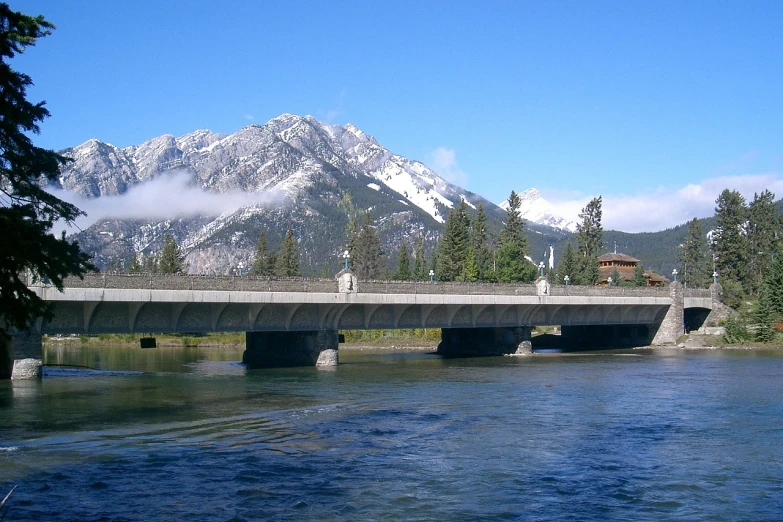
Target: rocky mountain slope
(304, 173)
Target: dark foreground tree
(638, 276)
(590, 239)
(454, 244)
(263, 264)
(30, 250)
(694, 257)
(403, 272)
(367, 256)
(762, 228)
(569, 265)
(420, 261)
(512, 267)
(171, 259)
(731, 246)
(288, 261)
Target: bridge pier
(467, 342)
(673, 324)
(288, 349)
(20, 356)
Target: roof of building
(611, 256)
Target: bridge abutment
(467, 342)
(288, 349)
(20, 356)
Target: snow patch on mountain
(535, 208)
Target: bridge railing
(314, 285)
(697, 292)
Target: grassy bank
(405, 337)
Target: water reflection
(205, 360)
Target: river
(189, 434)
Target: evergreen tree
(731, 246)
(589, 274)
(454, 244)
(171, 259)
(479, 237)
(568, 266)
(774, 288)
(151, 263)
(261, 265)
(274, 265)
(288, 261)
(695, 269)
(367, 253)
(512, 267)
(590, 239)
(433, 266)
(420, 261)
(638, 276)
(27, 212)
(763, 318)
(136, 266)
(617, 279)
(471, 273)
(403, 272)
(762, 226)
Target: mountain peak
(535, 208)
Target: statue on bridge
(346, 281)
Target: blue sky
(656, 106)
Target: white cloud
(667, 207)
(165, 197)
(444, 161)
(249, 117)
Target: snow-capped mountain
(285, 154)
(320, 174)
(535, 208)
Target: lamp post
(715, 277)
(346, 256)
(674, 275)
(541, 267)
(609, 280)
(567, 280)
(432, 275)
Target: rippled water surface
(173, 434)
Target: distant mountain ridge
(319, 172)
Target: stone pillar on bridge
(20, 356)
(287, 349)
(467, 342)
(673, 324)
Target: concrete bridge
(293, 322)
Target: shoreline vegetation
(419, 339)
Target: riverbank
(700, 341)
